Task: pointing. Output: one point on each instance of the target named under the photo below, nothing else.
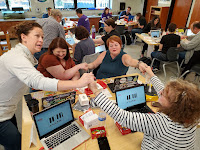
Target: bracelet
(137, 66)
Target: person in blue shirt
(114, 62)
(125, 14)
(48, 14)
(83, 19)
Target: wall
(137, 6)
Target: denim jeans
(136, 31)
(181, 56)
(10, 137)
(38, 54)
(159, 55)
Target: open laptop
(133, 99)
(57, 129)
(189, 32)
(155, 33)
(130, 18)
(70, 41)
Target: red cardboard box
(89, 92)
(81, 121)
(97, 132)
(123, 130)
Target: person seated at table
(114, 62)
(190, 44)
(125, 14)
(141, 22)
(18, 73)
(173, 126)
(109, 27)
(86, 45)
(167, 41)
(106, 15)
(48, 14)
(57, 63)
(154, 24)
(83, 19)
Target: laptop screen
(130, 97)
(70, 41)
(189, 32)
(52, 118)
(155, 33)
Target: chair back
(88, 59)
(172, 54)
(120, 29)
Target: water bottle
(102, 118)
(93, 32)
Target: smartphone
(103, 143)
(155, 104)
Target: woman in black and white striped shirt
(173, 127)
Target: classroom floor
(134, 51)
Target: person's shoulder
(49, 57)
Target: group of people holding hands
(171, 128)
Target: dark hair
(81, 32)
(196, 24)
(105, 10)
(49, 8)
(79, 11)
(129, 7)
(24, 28)
(59, 43)
(172, 27)
(184, 98)
(139, 15)
(114, 38)
(110, 22)
(158, 25)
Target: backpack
(145, 60)
(128, 38)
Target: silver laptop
(155, 33)
(70, 41)
(57, 129)
(189, 32)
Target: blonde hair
(184, 98)
(55, 13)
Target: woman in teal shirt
(114, 62)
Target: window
(3, 4)
(85, 4)
(19, 3)
(101, 4)
(63, 4)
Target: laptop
(155, 33)
(130, 18)
(133, 99)
(57, 128)
(70, 41)
(189, 32)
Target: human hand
(149, 71)
(183, 37)
(84, 66)
(93, 87)
(142, 67)
(86, 79)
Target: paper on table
(33, 138)
(38, 95)
(106, 92)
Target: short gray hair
(55, 13)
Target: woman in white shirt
(18, 73)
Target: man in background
(125, 14)
(52, 29)
(83, 19)
(48, 14)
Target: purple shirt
(106, 16)
(84, 21)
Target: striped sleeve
(150, 124)
(157, 84)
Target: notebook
(155, 33)
(70, 41)
(57, 129)
(133, 99)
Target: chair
(172, 56)
(120, 29)
(89, 59)
(5, 44)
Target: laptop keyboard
(62, 136)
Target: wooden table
(148, 40)
(117, 141)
